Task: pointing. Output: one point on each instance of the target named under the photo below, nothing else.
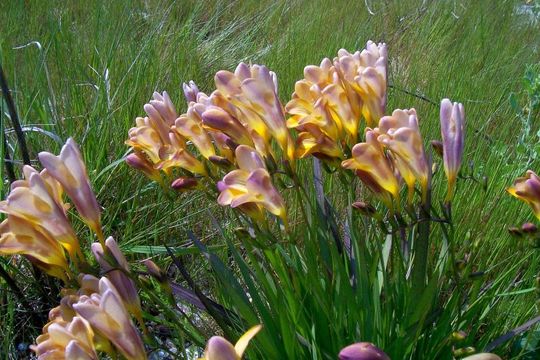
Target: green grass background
(85, 69)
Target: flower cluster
(243, 118)
(394, 152)
(90, 319)
(37, 224)
(96, 315)
(328, 104)
(243, 115)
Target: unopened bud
(482, 356)
(437, 147)
(514, 231)
(484, 183)
(362, 351)
(184, 183)
(231, 144)
(459, 335)
(190, 91)
(464, 351)
(155, 271)
(220, 161)
(139, 162)
(364, 208)
(529, 228)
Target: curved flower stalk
(374, 168)
(115, 266)
(69, 170)
(527, 189)
(401, 135)
(334, 96)
(219, 348)
(107, 315)
(452, 131)
(250, 187)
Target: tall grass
(84, 69)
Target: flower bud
(514, 231)
(190, 91)
(529, 228)
(364, 208)
(184, 183)
(464, 351)
(459, 335)
(482, 356)
(362, 351)
(155, 271)
(220, 161)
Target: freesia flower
(219, 119)
(374, 168)
(22, 237)
(362, 351)
(156, 137)
(333, 97)
(219, 348)
(452, 131)
(36, 200)
(115, 266)
(106, 314)
(252, 89)
(190, 126)
(139, 161)
(190, 91)
(401, 135)
(66, 340)
(527, 189)
(365, 73)
(69, 170)
(250, 187)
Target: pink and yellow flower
(374, 168)
(218, 348)
(69, 170)
(328, 104)
(401, 135)
(250, 187)
(527, 189)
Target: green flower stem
(421, 247)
